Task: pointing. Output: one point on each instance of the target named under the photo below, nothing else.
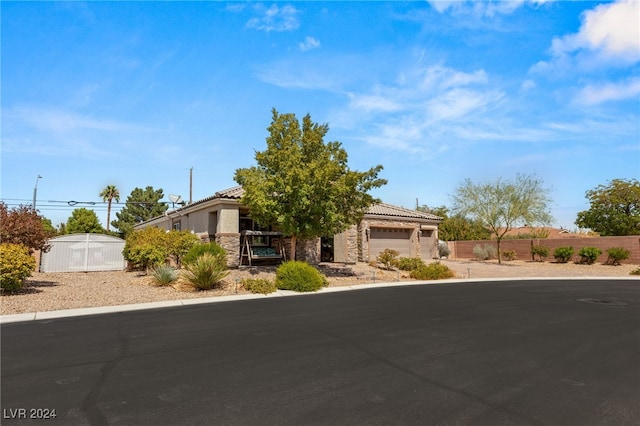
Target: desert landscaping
(57, 291)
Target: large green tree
(303, 185)
(456, 227)
(82, 221)
(614, 210)
(141, 205)
(501, 204)
(108, 194)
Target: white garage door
(389, 238)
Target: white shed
(84, 253)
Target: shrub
(589, 255)
(432, 271)
(23, 225)
(146, 248)
(509, 254)
(259, 285)
(563, 254)
(164, 274)
(198, 250)
(409, 263)
(443, 249)
(388, 258)
(16, 266)
(484, 253)
(299, 276)
(541, 251)
(617, 255)
(206, 271)
(179, 244)
(144, 257)
(635, 271)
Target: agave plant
(206, 271)
(164, 274)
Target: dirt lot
(55, 291)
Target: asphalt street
(504, 353)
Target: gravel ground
(55, 291)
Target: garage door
(389, 238)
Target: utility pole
(190, 185)
(35, 192)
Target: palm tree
(109, 193)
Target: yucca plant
(164, 275)
(206, 271)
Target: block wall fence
(464, 249)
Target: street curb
(67, 313)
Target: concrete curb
(48, 315)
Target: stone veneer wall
(353, 245)
(231, 243)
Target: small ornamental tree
(501, 204)
(23, 225)
(303, 185)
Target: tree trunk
(292, 254)
(499, 254)
(108, 213)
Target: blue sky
(136, 93)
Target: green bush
(541, 251)
(144, 257)
(484, 253)
(299, 276)
(146, 248)
(635, 271)
(617, 255)
(199, 249)
(388, 258)
(443, 249)
(206, 271)
(16, 265)
(563, 254)
(509, 254)
(151, 246)
(179, 243)
(259, 285)
(164, 275)
(432, 271)
(409, 263)
(589, 255)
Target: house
(223, 219)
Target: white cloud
(59, 132)
(275, 18)
(596, 94)
(426, 111)
(613, 30)
(482, 7)
(309, 43)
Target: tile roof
(381, 209)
